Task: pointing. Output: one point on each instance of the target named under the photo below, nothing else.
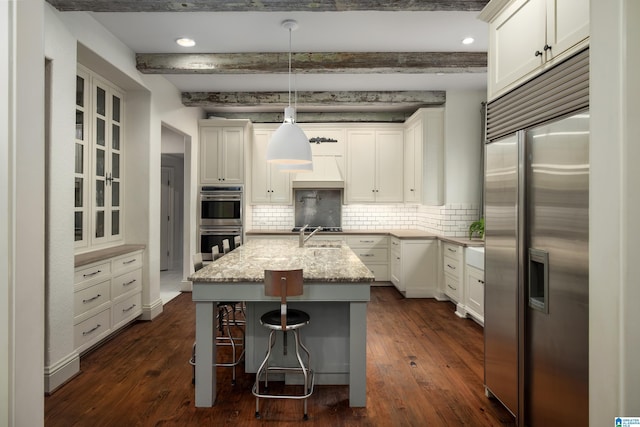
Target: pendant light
(289, 145)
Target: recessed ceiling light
(185, 42)
(468, 40)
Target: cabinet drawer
(92, 330)
(94, 272)
(451, 266)
(368, 241)
(126, 282)
(91, 297)
(395, 246)
(453, 251)
(127, 262)
(380, 271)
(127, 310)
(452, 287)
(367, 255)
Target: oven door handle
(223, 198)
(220, 233)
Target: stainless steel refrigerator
(537, 272)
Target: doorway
(172, 201)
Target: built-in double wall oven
(220, 217)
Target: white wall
(6, 268)
(23, 214)
(61, 359)
(463, 144)
(150, 102)
(614, 284)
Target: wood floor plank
(424, 368)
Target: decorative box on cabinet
(373, 251)
(413, 267)
(528, 36)
(107, 296)
(382, 148)
(222, 151)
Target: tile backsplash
(447, 220)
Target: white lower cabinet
(107, 296)
(463, 281)
(474, 302)
(373, 251)
(413, 267)
(452, 263)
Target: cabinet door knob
(546, 47)
(538, 53)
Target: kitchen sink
(475, 257)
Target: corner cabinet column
(222, 151)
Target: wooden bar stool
(284, 283)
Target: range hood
(327, 173)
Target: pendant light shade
(289, 145)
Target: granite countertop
(399, 233)
(321, 261)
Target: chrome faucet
(301, 239)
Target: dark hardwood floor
(424, 368)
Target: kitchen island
(336, 292)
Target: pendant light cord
(289, 67)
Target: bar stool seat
(295, 319)
(284, 283)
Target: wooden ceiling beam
(321, 117)
(312, 63)
(266, 6)
(278, 100)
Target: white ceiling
(236, 32)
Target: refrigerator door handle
(539, 280)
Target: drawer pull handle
(449, 286)
(124, 310)
(366, 241)
(452, 250)
(366, 255)
(85, 301)
(92, 274)
(95, 328)
(129, 282)
(129, 262)
(481, 281)
(451, 266)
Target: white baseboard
(60, 372)
(151, 311)
(187, 286)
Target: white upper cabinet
(268, 184)
(528, 36)
(374, 165)
(221, 153)
(423, 157)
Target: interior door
(166, 217)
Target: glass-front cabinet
(98, 161)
